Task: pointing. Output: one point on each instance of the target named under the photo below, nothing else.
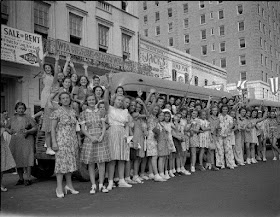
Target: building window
(125, 45)
(221, 15)
(263, 13)
(186, 23)
(186, 8)
(4, 12)
(222, 30)
(157, 30)
(188, 50)
(174, 75)
(222, 46)
(242, 60)
(270, 35)
(146, 32)
(242, 43)
(170, 42)
(124, 5)
(75, 28)
(239, 9)
(261, 59)
(260, 25)
(195, 80)
(204, 50)
(223, 63)
(212, 31)
(203, 34)
(243, 76)
(169, 12)
(187, 38)
(144, 5)
(205, 82)
(263, 92)
(211, 15)
(264, 29)
(170, 27)
(265, 45)
(265, 61)
(41, 18)
(262, 76)
(271, 65)
(156, 3)
(202, 19)
(261, 42)
(241, 26)
(213, 47)
(259, 9)
(157, 16)
(213, 61)
(201, 4)
(145, 19)
(103, 38)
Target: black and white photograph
(140, 108)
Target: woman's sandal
(103, 189)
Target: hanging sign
(20, 46)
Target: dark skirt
(178, 145)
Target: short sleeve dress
(138, 137)
(151, 141)
(204, 138)
(93, 152)
(67, 140)
(22, 148)
(214, 124)
(163, 149)
(118, 146)
(194, 139)
(7, 160)
(47, 81)
(273, 132)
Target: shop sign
(96, 58)
(20, 46)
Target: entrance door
(8, 90)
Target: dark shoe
(28, 182)
(214, 168)
(201, 168)
(20, 182)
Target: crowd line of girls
(125, 135)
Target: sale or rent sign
(20, 46)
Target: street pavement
(251, 190)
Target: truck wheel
(44, 169)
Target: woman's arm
(85, 66)
(106, 94)
(55, 80)
(152, 91)
(68, 58)
(86, 133)
(73, 67)
(53, 134)
(103, 131)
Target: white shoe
(264, 159)
(186, 172)
(93, 189)
(151, 176)
(171, 174)
(137, 180)
(166, 176)
(254, 161)
(144, 177)
(123, 184)
(192, 169)
(275, 158)
(50, 151)
(140, 178)
(248, 161)
(174, 171)
(45, 145)
(158, 178)
(258, 158)
(223, 167)
(129, 181)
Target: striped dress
(118, 146)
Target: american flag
(274, 85)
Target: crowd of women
(133, 139)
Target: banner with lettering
(20, 46)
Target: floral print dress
(224, 150)
(151, 141)
(67, 140)
(194, 138)
(204, 138)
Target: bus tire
(44, 169)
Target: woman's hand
(139, 92)
(57, 57)
(93, 140)
(71, 64)
(85, 65)
(45, 54)
(68, 58)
